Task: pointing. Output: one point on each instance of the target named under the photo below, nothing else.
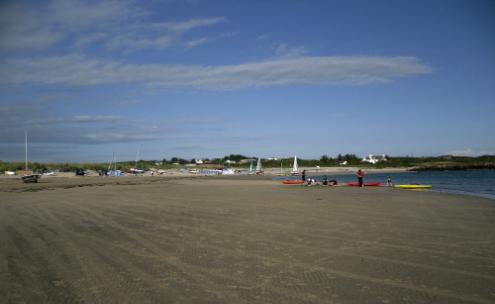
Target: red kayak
(368, 184)
(292, 182)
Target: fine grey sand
(251, 240)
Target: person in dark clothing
(303, 176)
(360, 175)
(389, 182)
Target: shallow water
(469, 182)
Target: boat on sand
(412, 186)
(292, 182)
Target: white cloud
(76, 14)
(157, 35)
(114, 24)
(95, 118)
(87, 39)
(284, 50)
(184, 26)
(77, 70)
(119, 136)
(46, 127)
(136, 41)
(41, 26)
(197, 42)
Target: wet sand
(240, 240)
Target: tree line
(446, 162)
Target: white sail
(259, 169)
(295, 168)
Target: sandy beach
(240, 240)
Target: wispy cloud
(96, 118)
(188, 25)
(80, 129)
(197, 42)
(77, 70)
(284, 50)
(204, 40)
(115, 25)
(41, 26)
(157, 35)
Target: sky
(204, 79)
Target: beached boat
(31, 178)
(28, 178)
(292, 182)
(412, 186)
(367, 184)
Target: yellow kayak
(412, 186)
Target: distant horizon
(88, 78)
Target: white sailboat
(259, 169)
(295, 168)
(135, 170)
(250, 167)
(28, 178)
(113, 171)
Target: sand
(240, 240)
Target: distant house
(230, 162)
(373, 159)
(199, 161)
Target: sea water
(469, 182)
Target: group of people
(312, 181)
(359, 174)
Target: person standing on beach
(389, 182)
(303, 176)
(360, 175)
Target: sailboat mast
(135, 162)
(26, 150)
(111, 162)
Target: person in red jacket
(360, 175)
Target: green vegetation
(240, 161)
(455, 163)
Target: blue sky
(197, 79)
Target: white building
(373, 159)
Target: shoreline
(69, 180)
